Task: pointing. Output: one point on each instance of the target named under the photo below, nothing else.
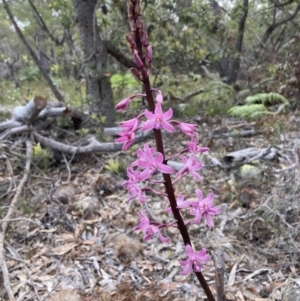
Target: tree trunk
(239, 43)
(95, 55)
(44, 62)
(228, 67)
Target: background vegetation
(231, 49)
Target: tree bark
(239, 43)
(44, 61)
(275, 25)
(119, 56)
(32, 53)
(95, 54)
(228, 67)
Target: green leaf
(251, 111)
(266, 99)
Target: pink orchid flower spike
(191, 166)
(202, 207)
(150, 163)
(130, 125)
(148, 229)
(123, 104)
(127, 138)
(195, 260)
(158, 120)
(206, 207)
(187, 128)
(193, 145)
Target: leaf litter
(85, 247)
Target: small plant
(113, 166)
(256, 105)
(41, 156)
(266, 99)
(83, 132)
(249, 111)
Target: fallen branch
(53, 112)
(92, 146)
(10, 212)
(250, 154)
(16, 130)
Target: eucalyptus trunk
(95, 61)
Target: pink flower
(130, 125)
(127, 138)
(159, 97)
(148, 229)
(194, 148)
(137, 193)
(202, 207)
(132, 186)
(187, 128)
(150, 163)
(133, 175)
(191, 166)
(123, 104)
(195, 260)
(180, 201)
(158, 120)
(145, 154)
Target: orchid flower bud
(137, 59)
(123, 104)
(148, 56)
(136, 74)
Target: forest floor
(74, 240)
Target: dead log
(89, 145)
(28, 113)
(34, 114)
(250, 154)
(25, 115)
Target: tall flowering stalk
(151, 160)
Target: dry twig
(219, 274)
(8, 216)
